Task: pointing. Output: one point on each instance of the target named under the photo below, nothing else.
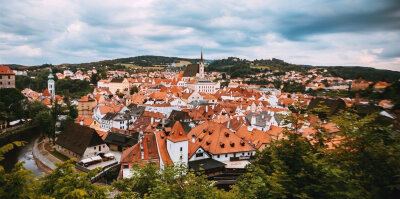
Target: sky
(312, 32)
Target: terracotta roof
(177, 133)
(5, 70)
(191, 70)
(46, 101)
(102, 134)
(85, 99)
(162, 148)
(216, 139)
(87, 121)
(275, 131)
(150, 151)
(46, 92)
(256, 137)
(156, 115)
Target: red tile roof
(5, 70)
(177, 133)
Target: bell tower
(50, 84)
(201, 65)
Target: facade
(51, 84)
(204, 86)
(7, 77)
(115, 85)
(85, 106)
(80, 142)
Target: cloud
(363, 32)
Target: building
(7, 77)
(51, 84)
(194, 70)
(204, 86)
(115, 85)
(86, 105)
(80, 142)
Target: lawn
(130, 65)
(260, 67)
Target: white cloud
(57, 31)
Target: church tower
(50, 84)
(201, 65)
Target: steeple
(51, 84)
(201, 56)
(201, 65)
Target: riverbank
(41, 160)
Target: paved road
(41, 154)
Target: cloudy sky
(316, 32)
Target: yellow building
(85, 106)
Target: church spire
(201, 56)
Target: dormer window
(232, 144)
(222, 145)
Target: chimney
(206, 108)
(163, 122)
(152, 120)
(193, 138)
(229, 124)
(141, 144)
(81, 122)
(253, 120)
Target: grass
(59, 155)
(55, 153)
(130, 65)
(260, 67)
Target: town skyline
(339, 33)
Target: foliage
(293, 87)
(134, 89)
(66, 182)
(364, 163)
(16, 184)
(73, 88)
(172, 182)
(44, 122)
(11, 104)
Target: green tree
(44, 122)
(66, 182)
(35, 107)
(134, 89)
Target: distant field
(260, 67)
(130, 65)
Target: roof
(46, 92)
(77, 138)
(206, 164)
(150, 151)
(256, 137)
(216, 139)
(334, 105)
(5, 70)
(117, 80)
(86, 99)
(87, 121)
(162, 148)
(191, 70)
(179, 116)
(177, 133)
(121, 139)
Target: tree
(149, 181)
(11, 104)
(66, 182)
(35, 107)
(16, 184)
(44, 122)
(134, 89)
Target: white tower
(201, 66)
(50, 84)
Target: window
(226, 155)
(181, 148)
(94, 148)
(180, 157)
(199, 155)
(217, 156)
(126, 166)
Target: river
(23, 153)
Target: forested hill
(237, 67)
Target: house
(88, 121)
(7, 77)
(120, 142)
(86, 105)
(80, 142)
